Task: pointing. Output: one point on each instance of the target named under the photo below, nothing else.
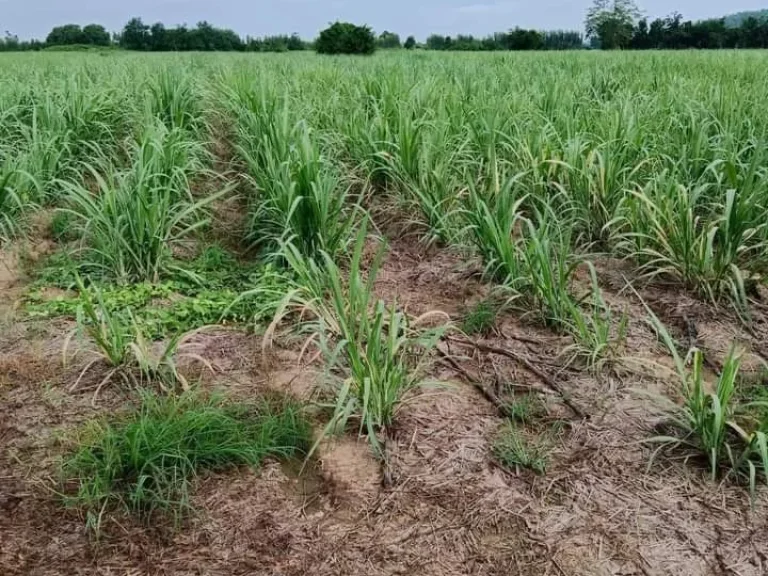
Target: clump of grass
(598, 339)
(533, 259)
(108, 330)
(61, 227)
(713, 423)
(714, 247)
(493, 220)
(174, 101)
(147, 462)
(481, 318)
(752, 390)
(131, 224)
(513, 451)
(297, 193)
(525, 409)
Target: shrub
(346, 38)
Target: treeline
(517, 39)
(68, 35)
(136, 35)
(11, 43)
(204, 38)
(672, 33)
(614, 28)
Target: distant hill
(735, 20)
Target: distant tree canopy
(71, 34)
(736, 20)
(388, 40)
(612, 24)
(517, 39)
(11, 43)
(346, 38)
(275, 44)
(609, 24)
(96, 35)
(157, 38)
(672, 33)
(135, 35)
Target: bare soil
(450, 510)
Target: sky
(35, 18)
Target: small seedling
(525, 409)
(514, 451)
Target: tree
(641, 39)
(519, 39)
(95, 35)
(388, 40)
(65, 35)
(611, 22)
(562, 40)
(135, 35)
(410, 43)
(160, 39)
(295, 43)
(346, 38)
(438, 42)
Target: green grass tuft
(148, 461)
(525, 409)
(480, 318)
(513, 451)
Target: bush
(346, 38)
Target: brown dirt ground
(598, 510)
